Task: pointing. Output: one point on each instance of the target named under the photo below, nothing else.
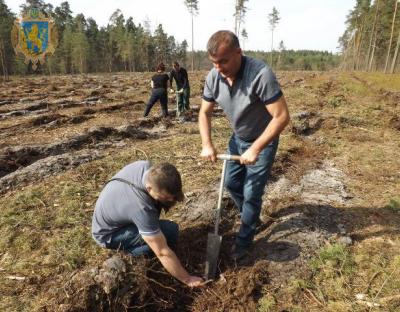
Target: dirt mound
(48, 166)
(305, 123)
(237, 290)
(395, 122)
(21, 156)
(42, 120)
(281, 252)
(285, 242)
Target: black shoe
(239, 252)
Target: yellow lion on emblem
(33, 37)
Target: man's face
(226, 61)
(163, 197)
(176, 67)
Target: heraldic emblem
(35, 36)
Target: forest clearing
(331, 208)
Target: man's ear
(148, 187)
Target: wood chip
(16, 278)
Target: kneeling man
(127, 215)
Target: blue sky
(304, 24)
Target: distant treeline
(371, 41)
(122, 45)
(284, 60)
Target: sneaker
(239, 252)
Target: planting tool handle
(228, 157)
(221, 190)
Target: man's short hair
(175, 63)
(222, 37)
(165, 177)
(161, 67)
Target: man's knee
(170, 230)
(233, 186)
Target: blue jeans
(129, 239)
(246, 185)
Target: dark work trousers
(161, 95)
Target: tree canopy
(372, 36)
(84, 47)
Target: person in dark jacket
(159, 85)
(180, 75)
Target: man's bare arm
(170, 261)
(208, 151)
(280, 118)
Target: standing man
(180, 75)
(127, 215)
(249, 94)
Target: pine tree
(45, 8)
(240, 12)
(244, 38)
(193, 8)
(281, 49)
(6, 51)
(396, 53)
(94, 62)
(116, 28)
(370, 29)
(391, 37)
(80, 45)
(62, 16)
(273, 19)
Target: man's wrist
(255, 149)
(186, 279)
(208, 145)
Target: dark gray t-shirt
(244, 103)
(120, 204)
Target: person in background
(248, 92)
(127, 215)
(159, 85)
(180, 75)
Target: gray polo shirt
(244, 103)
(120, 204)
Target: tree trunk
(359, 48)
(396, 52)
(391, 37)
(373, 49)
(372, 54)
(355, 44)
(272, 46)
(236, 16)
(192, 45)
(344, 65)
(3, 62)
(278, 61)
(367, 62)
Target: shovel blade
(213, 247)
